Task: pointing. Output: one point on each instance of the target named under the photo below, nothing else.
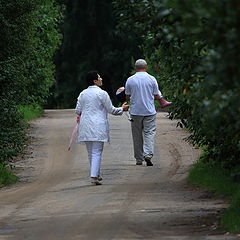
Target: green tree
(91, 42)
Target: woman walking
(93, 106)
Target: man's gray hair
(140, 63)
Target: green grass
(6, 176)
(217, 179)
(31, 111)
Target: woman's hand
(125, 106)
(78, 119)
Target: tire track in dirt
(176, 163)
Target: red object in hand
(73, 137)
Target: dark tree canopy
(91, 42)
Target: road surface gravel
(55, 201)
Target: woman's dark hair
(90, 77)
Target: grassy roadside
(6, 176)
(29, 112)
(214, 177)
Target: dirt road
(54, 200)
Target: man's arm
(156, 92)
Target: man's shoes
(139, 163)
(148, 161)
(95, 182)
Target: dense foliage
(91, 43)
(193, 47)
(28, 39)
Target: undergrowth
(224, 182)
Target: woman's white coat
(93, 105)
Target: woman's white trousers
(94, 150)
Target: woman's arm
(78, 109)
(128, 97)
(109, 107)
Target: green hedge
(29, 37)
(12, 133)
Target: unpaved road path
(55, 201)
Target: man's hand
(125, 106)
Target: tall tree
(91, 42)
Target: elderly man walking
(142, 89)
